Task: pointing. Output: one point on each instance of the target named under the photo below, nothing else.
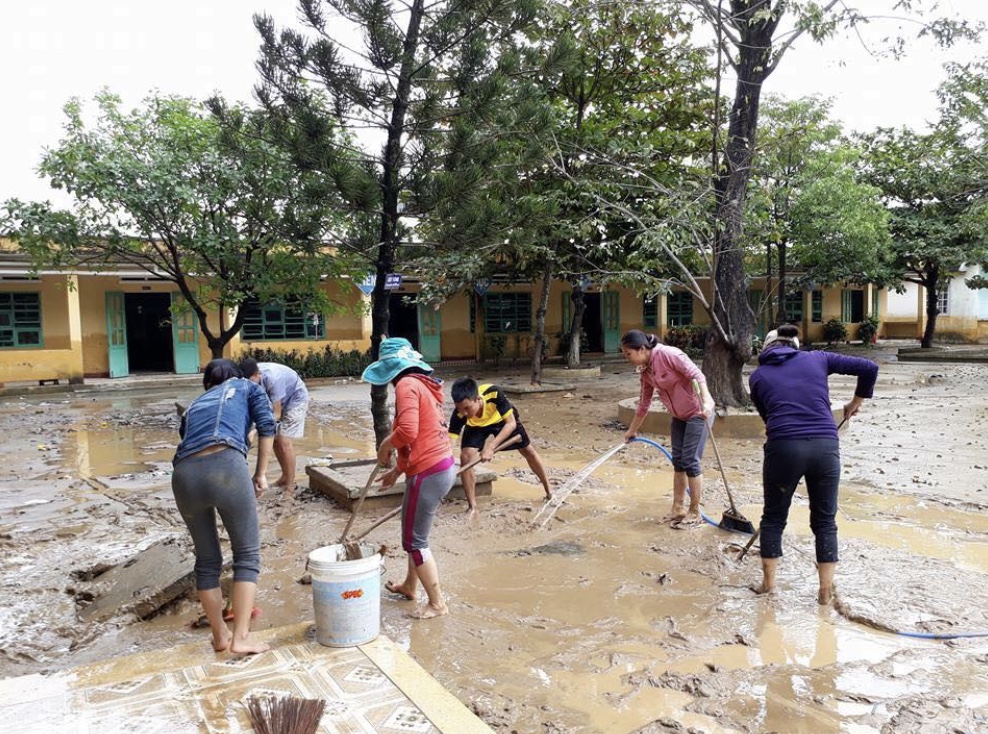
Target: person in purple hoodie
(792, 395)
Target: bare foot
(223, 643)
(553, 484)
(762, 589)
(825, 596)
(687, 523)
(280, 482)
(398, 589)
(246, 647)
(676, 514)
(428, 611)
(471, 514)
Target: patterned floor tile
(210, 698)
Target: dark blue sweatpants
(817, 460)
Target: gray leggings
(219, 483)
(423, 493)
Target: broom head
(736, 522)
(281, 714)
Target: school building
(963, 311)
(73, 325)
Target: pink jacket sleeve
(677, 394)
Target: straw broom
(277, 714)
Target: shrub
(691, 338)
(867, 329)
(315, 363)
(834, 331)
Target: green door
(185, 336)
(116, 333)
(430, 325)
(610, 315)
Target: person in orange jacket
(425, 457)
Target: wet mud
(605, 620)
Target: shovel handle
(751, 541)
(360, 501)
(383, 520)
(471, 464)
(720, 463)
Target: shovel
(353, 551)
(471, 464)
(731, 519)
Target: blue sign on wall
(481, 285)
(393, 281)
(367, 285)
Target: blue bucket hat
(395, 356)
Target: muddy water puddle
(604, 621)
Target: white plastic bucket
(346, 595)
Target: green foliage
(834, 331)
(691, 338)
(807, 204)
(934, 187)
(327, 362)
(867, 329)
(203, 200)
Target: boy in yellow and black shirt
(483, 411)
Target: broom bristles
(273, 714)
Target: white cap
(773, 336)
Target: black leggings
(786, 462)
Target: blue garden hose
(920, 635)
(662, 448)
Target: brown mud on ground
(605, 621)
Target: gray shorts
(292, 424)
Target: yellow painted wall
(457, 340)
(347, 328)
(56, 358)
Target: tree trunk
(390, 193)
(783, 311)
(540, 325)
(768, 275)
(576, 327)
(725, 358)
(931, 280)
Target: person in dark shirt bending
(791, 392)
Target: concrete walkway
(368, 689)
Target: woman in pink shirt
(674, 375)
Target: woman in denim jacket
(210, 477)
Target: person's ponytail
(638, 339)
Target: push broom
(732, 519)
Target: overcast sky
(51, 50)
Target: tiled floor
(368, 689)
